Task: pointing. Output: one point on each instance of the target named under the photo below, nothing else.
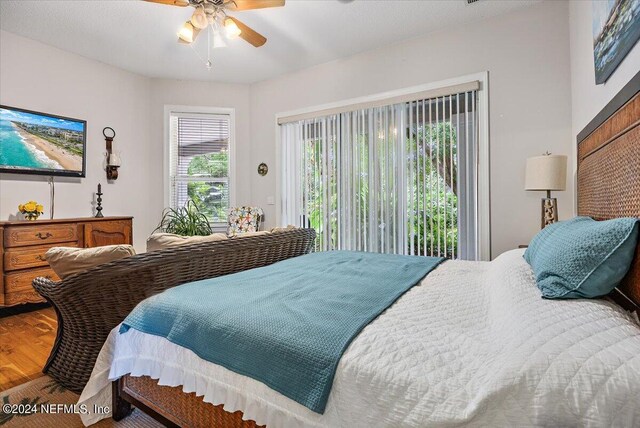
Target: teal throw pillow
(582, 257)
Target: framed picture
(616, 29)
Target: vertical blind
(398, 178)
(199, 171)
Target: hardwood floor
(25, 342)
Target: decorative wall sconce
(113, 160)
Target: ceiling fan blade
(252, 4)
(181, 3)
(251, 36)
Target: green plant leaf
(186, 221)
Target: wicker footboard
(90, 304)
(170, 405)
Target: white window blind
(199, 162)
(399, 178)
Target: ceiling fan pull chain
(197, 53)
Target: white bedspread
(473, 344)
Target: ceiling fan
(212, 15)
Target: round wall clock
(263, 169)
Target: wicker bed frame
(609, 174)
(608, 182)
(90, 304)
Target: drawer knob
(45, 236)
(40, 258)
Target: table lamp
(547, 172)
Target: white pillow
(158, 241)
(283, 229)
(66, 261)
(250, 234)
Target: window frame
(483, 190)
(170, 110)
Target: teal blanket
(287, 324)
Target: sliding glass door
(398, 178)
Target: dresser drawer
(21, 236)
(22, 297)
(20, 281)
(30, 257)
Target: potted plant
(31, 210)
(185, 221)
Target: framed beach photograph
(41, 143)
(616, 29)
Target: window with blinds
(199, 162)
(398, 178)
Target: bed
(480, 350)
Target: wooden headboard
(609, 173)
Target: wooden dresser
(24, 244)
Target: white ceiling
(141, 37)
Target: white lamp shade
(199, 19)
(188, 32)
(218, 40)
(231, 28)
(548, 172)
(114, 160)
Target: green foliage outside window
(210, 196)
(431, 155)
(435, 150)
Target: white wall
(208, 94)
(587, 98)
(39, 77)
(527, 56)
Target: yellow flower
(20, 207)
(30, 206)
(39, 208)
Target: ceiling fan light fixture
(218, 40)
(231, 28)
(188, 32)
(199, 19)
(212, 16)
